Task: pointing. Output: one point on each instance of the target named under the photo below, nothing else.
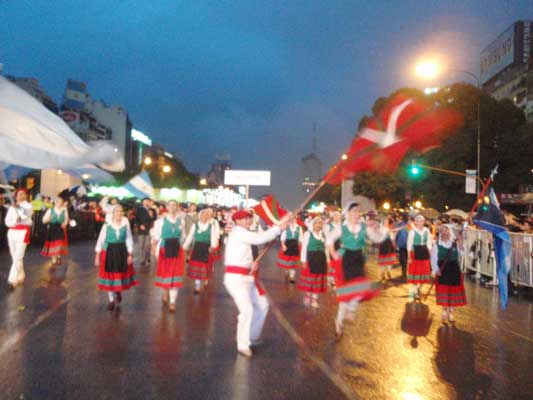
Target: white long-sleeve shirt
(103, 233)
(435, 253)
(305, 242)
(336, 233)
(411, 238)
(23, 211)
(238, 248)
(157, 230)
(201, 228)
(48, 215)
(107, 208)
(294, 228)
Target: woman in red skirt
(386, 251)
(419, 245)
(56, 244)
(114, 257)
(167, 233)
(289, 254)
(445, 265)
(203, 239)
(314, 274)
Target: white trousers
(253, 308)
(17, 249)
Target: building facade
(311, 172)
(507, 67)
(94, 120)
(215, 176)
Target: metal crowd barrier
(479, 256)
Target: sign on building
(235, 177)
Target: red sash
(26, 228)
(230, 269)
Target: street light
(386, 205)
(344, 157)
(430, 69)
(418, 204)
(203, 182)
(147, 161)
(166, 169)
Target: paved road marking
(320, 364)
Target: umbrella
(430, 213)
(458, 213)
(32, 136)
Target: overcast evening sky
(250, 78)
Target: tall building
(215, 176)
(507, 66)
(31, 85)
(94, 120)
(311, 169)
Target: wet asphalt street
(58, 341)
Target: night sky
(251, 78)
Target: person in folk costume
(56, 244)
(203, 238)
(419, 244)
(289, 254)
(449, 286)
(352, 285)
(240, 278)
(108, 206)
(114, 257)
(168, 231)
(334, 222)
(19, 221)
(216, 253)
(314, 273)
(386, 251)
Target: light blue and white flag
(140, 186)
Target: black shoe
(118, 296)
(111, 306)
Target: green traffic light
(415, 170)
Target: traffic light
(414, 170)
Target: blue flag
(490, 218)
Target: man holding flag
(490, 218)
(241, 281)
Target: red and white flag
(269, 210)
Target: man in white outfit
(240, 278)
(18, 220)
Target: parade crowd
(318, 252)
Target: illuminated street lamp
(386, 205)
(147, 161)
(344, 157)
(430, 69)
(85, 176)
(203, 182)
(418, 204)
(166, 169)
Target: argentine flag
(140, 186)
(490, 218)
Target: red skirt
(312, 283)
(115, 281)
(198, 270)
(54, 245)
(170, 270)
(451, 296)
(360, 287)
(419, 271)
(386, 259)
(287, 262)
(331, 269)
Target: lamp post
(430, 69)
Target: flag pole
(298, 210)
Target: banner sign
(470, 184)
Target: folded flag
(490, 218)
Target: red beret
(241, 215)
(22, 189)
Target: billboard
(244, 177)
(498, 55)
